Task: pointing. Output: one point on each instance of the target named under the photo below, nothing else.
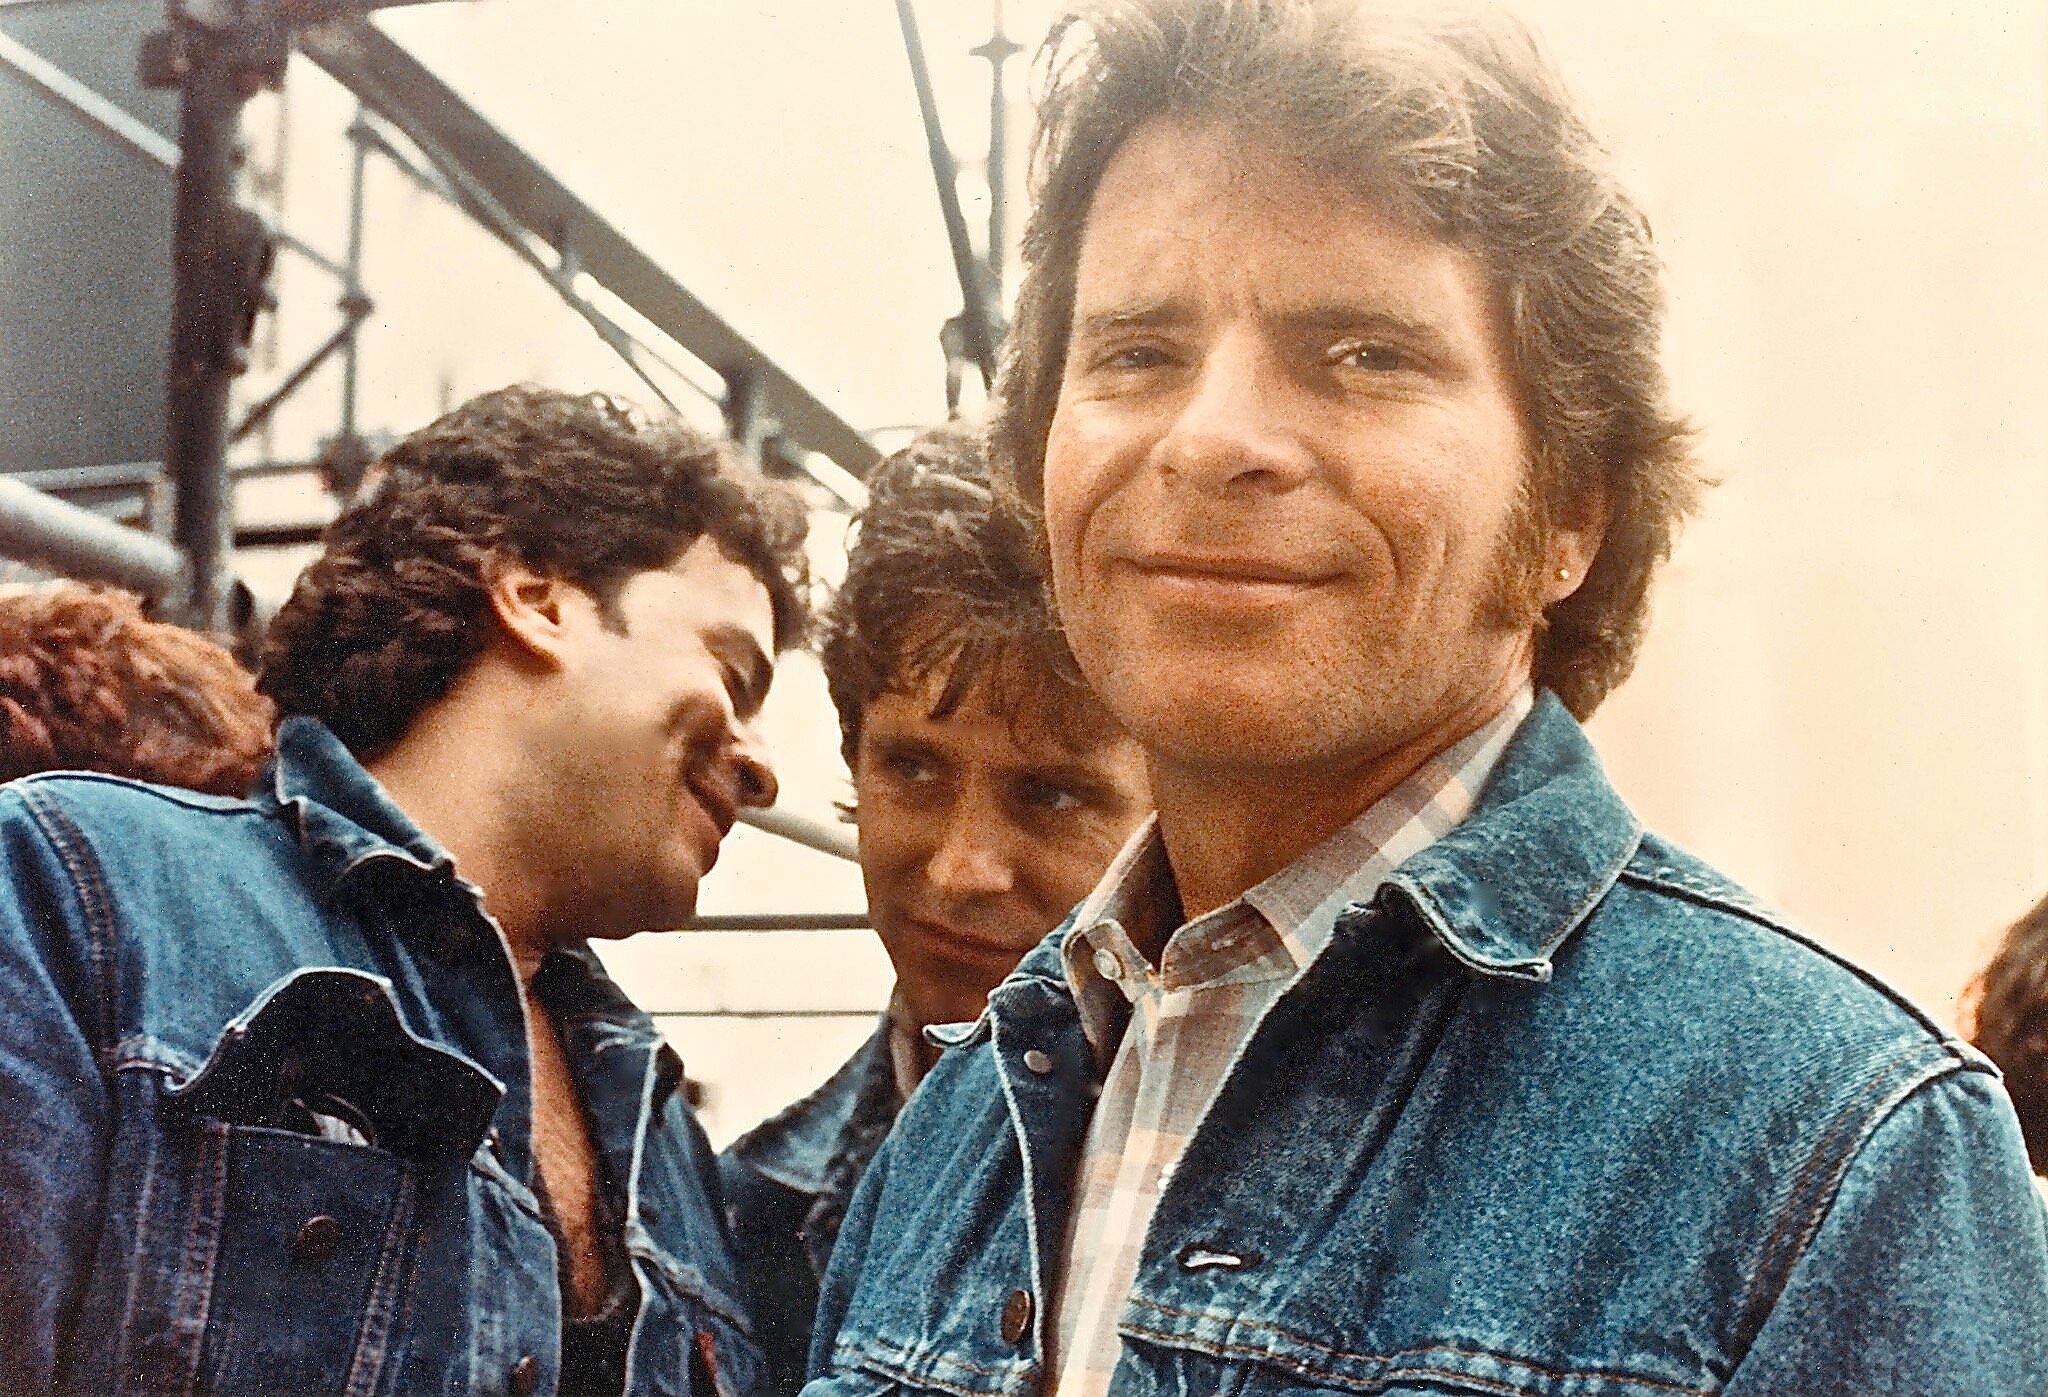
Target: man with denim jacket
(322, 1090)
(1394, 1055)
(990, 792)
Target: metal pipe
(834, 839)
(208, 279)
(64, 538)
(354, 304)
(998, 50)
(136, 136)
(291, 383)
(976, 312)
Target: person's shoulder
(94, 794)
(1719, 950)
(127, 822)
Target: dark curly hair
(579, 487)
(1459, 126)
(941, 583)
(88, 683)
(2007, 1007)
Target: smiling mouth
(1232, 581)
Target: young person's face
(978, 833)
(1282, 475)
(652, 749)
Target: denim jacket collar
(1501, 901)
(797, 1146)
(344, 816)
(1498, 900)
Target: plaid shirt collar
(1278, 927)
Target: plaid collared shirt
(1174, 1031)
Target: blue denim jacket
(787, 1184)
(264, 1109)
(1561, 1111)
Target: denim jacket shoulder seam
(1835, 1154)
(89, 891)
(1394, 1364)
(1769, 921)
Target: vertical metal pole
(997, 51)
(977, 314)
(353, 302)
(204, 313)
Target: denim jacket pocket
(279, 1217)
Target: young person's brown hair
(89, 683)
(940, 583)
(1457, 125)
(577, 486)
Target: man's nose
(1239, 426)
(754, 777)
(972, 858)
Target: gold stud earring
(1564, 574)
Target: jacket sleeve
(53, 1100)
(1928, 1273)
(842, 1274)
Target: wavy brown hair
(2007, 1008)
(578, 487)
(939, 582)
(89, 683)
(1458, 126)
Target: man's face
(1282, 469)
(652, 750)
(978, 834)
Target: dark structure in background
(132, 272)
(85, 243)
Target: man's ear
(1576, 533)
(532, 610)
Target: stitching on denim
(201, 1250)
(896, 1364)
(1391, 1362)
(1753, 1311)
(138, 1259)
(1668, 880)
(88, 884)
(1597, 893)
(381, 1304)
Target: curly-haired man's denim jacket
(1561, 1112)
(264, 1110)
(787, 1184)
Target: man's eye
(1374, 358)
(1139, 356)
(1048, 796)
(908, 766)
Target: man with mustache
(1394, 1056)
(323, 1090)
(991, 791)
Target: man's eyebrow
(1336, 318)
(1136, 315)
(737, 647)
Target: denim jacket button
(525, 1376)
(1039, 1064)
(316, 1238)
(1017, 1317)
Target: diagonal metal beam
(403, 91)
